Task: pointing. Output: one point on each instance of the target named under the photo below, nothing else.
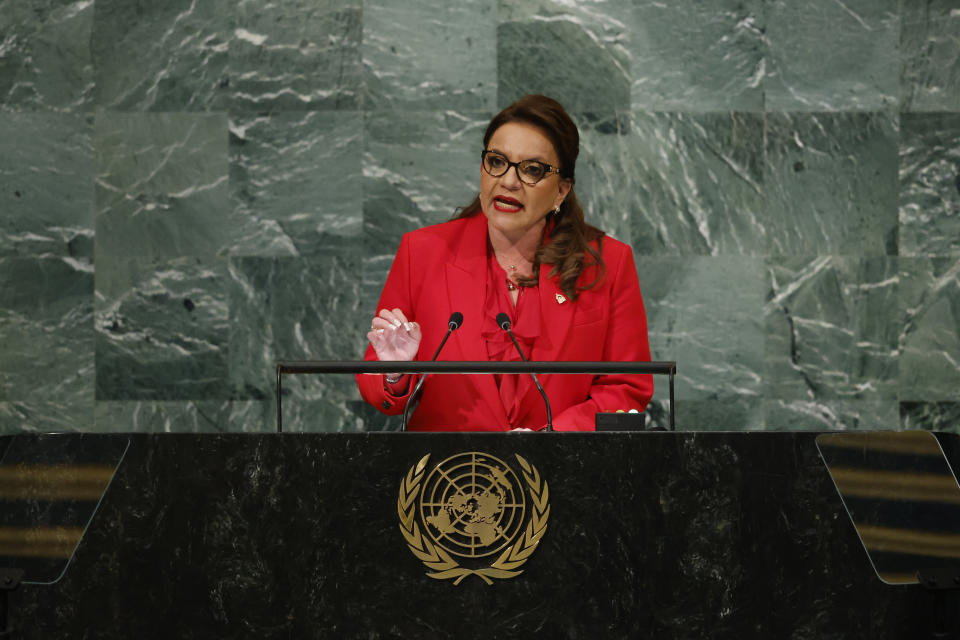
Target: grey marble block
(717, 413)
(576, 53)
(695, 56)
(46, 184)
(54, 415)
(296, 54)
(418, 168)
(826, 55)
(930, 56)
(601, 171)
(45, 59)
(295, 180)
(423, 54)
(831, 331)
(162, 329)
(204, 416)
(707, 314)
(930, 337)
(677, 183)
(46, 341)
(162, 185)
(161, 56)
(305, 308)
(831, 183)
(933, 416)
(930, 184)
(831, 414)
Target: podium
(661, 534)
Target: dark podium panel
(666, 535)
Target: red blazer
(443, 268)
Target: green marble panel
(296, 181)
(45, 60)
(676, 183)
(706, 314)
(930, 298)
(831, 415)
(48, 416)
(832, 328)
(296, 54)
(827, 55)
(162, 186)
(325, 414)
(46, 185)
(930, 184)
(931, 416)
(418, 168)
(162, 329)
(421, 54)
(161, 56)
(46, 341)
(210, 416)
(303, 308)
(720, 413)
(930, 55)
(577, 53)
(831, 183)
(694, 56)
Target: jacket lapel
(466, 282)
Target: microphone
(504, 321)
(456, 319)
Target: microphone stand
(504, 321)
(453, 324)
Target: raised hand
(394, 337)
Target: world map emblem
(473, 514)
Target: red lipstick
(506, 204)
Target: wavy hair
(567, 243)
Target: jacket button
(386, 404)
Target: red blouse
(525, 319)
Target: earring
(556, 210)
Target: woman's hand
(393, 337)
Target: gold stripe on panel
(54, 482)
(39, 542)
(896, 485)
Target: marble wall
(190, 191)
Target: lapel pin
(560, 299)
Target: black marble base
(653, 535)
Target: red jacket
(443, 268)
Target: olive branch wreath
(439, 561)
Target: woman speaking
(522, 248)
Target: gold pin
(560, 299)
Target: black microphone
(456, 319)
(504, 321)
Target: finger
(379, 324)
(398, 313)
(389, 317)
(415, 331)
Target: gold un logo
(473, 508)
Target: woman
(521, 247)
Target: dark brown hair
(567, 243)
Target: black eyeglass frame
(516, 166)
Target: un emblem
(473, 507)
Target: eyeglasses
(529, 171)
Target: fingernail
(408, 326)
(397, 323)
